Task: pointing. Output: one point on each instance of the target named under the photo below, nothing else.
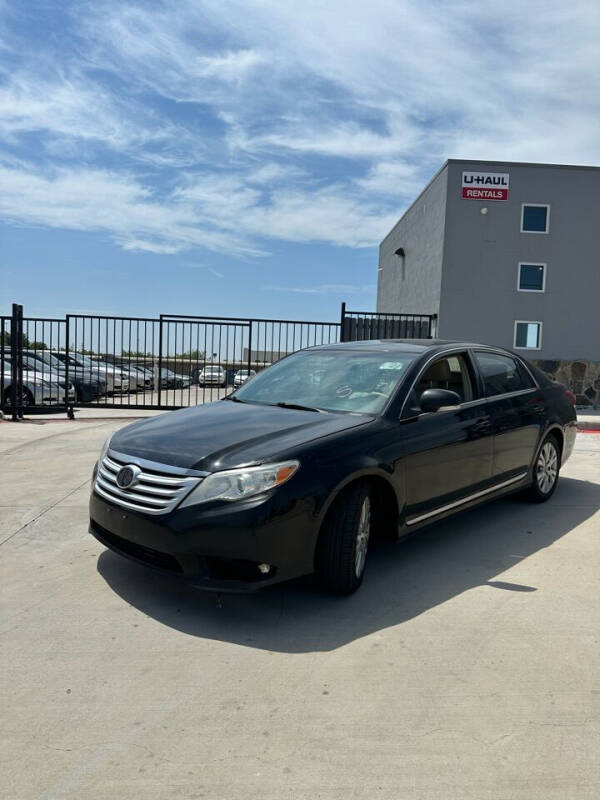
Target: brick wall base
(581, 377)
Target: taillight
(570, 397)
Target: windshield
(87, 362)
(341, 380)
(51, 360)
(213, 369)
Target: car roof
(416, 346)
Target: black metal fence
(172, 361)
(357, 325)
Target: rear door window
(501, 374)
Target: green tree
(27, 345)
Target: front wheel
(343, 544)
(26, 399)
(545, 471)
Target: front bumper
(217, 549)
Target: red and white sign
(485, 185)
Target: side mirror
(434, 399)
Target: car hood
(223, 435)
(82, 374)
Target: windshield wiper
(233, 399)
(299, 407)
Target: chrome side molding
(463, 500)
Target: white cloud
(326, 288)
(272, 173)
(96, 200)
(394, 178)
(73, 113)
(216, 212)
(206, 267)
(374, 79)
(166, 49)
(307, 123)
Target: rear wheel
(545, 471)
(27, 398)
(343, 544)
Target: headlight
(104, 450)
(237, 484)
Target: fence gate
(200, 358)
(32, 381)
(114, 360)
(218, 353)
(172, 361)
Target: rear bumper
(219, 549)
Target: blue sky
(245, 158)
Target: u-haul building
(505, 253)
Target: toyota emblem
(128, 476)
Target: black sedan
(295, 471)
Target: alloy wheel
(547, 467)
(362, 537)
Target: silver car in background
(242, 375)
(116, 380)
(39, 387)
(212, 375)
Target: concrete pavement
(466, 667)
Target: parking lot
(192, 395)
(467, 666)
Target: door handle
(482, 425)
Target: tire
(342, 547)
(27, 397)
(545, 471)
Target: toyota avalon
(294, 472)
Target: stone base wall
(581, 377)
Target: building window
(535, 218)
(501, 374)
(532, 278)
(528, 335)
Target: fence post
(70, 413)
(16, 353)
(160, 349)
(433, 320)
(249, 345)
(342, 322)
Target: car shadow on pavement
(402, 580)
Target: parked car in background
(136, 376)
(33, 394)
(40, 387)
(89, 386)
(146, 374)
(241, 376)
(168, 380)
(172, 380)
(115, 379)
(211, 375)
(288, 475)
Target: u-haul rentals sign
(485, 185)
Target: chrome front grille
(158, 487)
